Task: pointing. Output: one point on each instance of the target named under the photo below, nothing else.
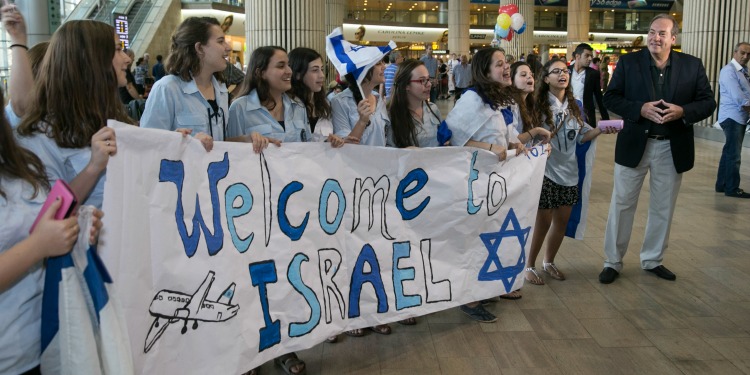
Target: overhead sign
(122, 29)
(664, 5)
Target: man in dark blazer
(586, 83)
(660, 94)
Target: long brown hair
(526, 106)
(542, 99)
(299, 60)
(260, 60)
(18, 162)
(76, 90)
(183, 59)
(404, 129)
(490, 91)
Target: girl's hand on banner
(96, 226)
(103, 145)
(206, 140)
(336, 141)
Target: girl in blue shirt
(192, 98)
(23, 190)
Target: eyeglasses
(558, 71)
(423, 81)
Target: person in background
(23, 191)
(395, 59)
(461, 77)
(158, 70)
(595, 63)
(657, 138)
(192, 98)
(585, 83)
(65, 128)
(333, 89)
(129, 92)
(147, 66)
(734, 106)
(431, 63)
(139, 74)
(604, 72)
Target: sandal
(408, 321)
(552, 271)
(332, 339)
(537, 280)
(359, 332)
(514, 295)
(288, 362)
(383, 329)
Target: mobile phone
(66, 195)
(613, 124)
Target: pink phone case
(69, 201)
(613, 124)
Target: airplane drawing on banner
(170, 307)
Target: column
(286, 23)
(523, 43)
(710, 31)
(36, 14)
(458, 26)
(578, 24)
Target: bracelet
(19, 45)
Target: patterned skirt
(555, 195)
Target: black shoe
(608, 275)
(739, 193)
(663, 273)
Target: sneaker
(479, 313)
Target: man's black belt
(659, 137)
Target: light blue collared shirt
(21, 303)
(64, 163)
(174, 103)
(345, 116)
(247, 115)
(734, 93)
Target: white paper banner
(301, 242)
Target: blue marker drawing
(492, 242)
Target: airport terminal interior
(640, 324)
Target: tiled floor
(699, 324)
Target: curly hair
(72, 103)
(490, 91)
(183, 59)
(315, 102)
(527, 106)
(542, 100)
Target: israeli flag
(352, 58)
(585, 158)
(83, 330)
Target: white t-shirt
(576, 81)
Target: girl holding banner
(23, 189)
(66, 127)
(192, 98)
(562, 116)
(367, 120)
(264, 113)
(415, 120)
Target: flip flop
(514, 295)
(383, 329)
(288, 361)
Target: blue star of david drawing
(356, 48)
(492, 242)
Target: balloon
(509, 9)
(522, 29)
(503, 21)
(510, 35)
(501, 33)
(516, 21)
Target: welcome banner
(223, 260)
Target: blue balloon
(522, 29)
(501, 33)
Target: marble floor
(699, 324)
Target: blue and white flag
(83, 330)
(585, 158)
(352, 58)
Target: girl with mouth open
(562, 116)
